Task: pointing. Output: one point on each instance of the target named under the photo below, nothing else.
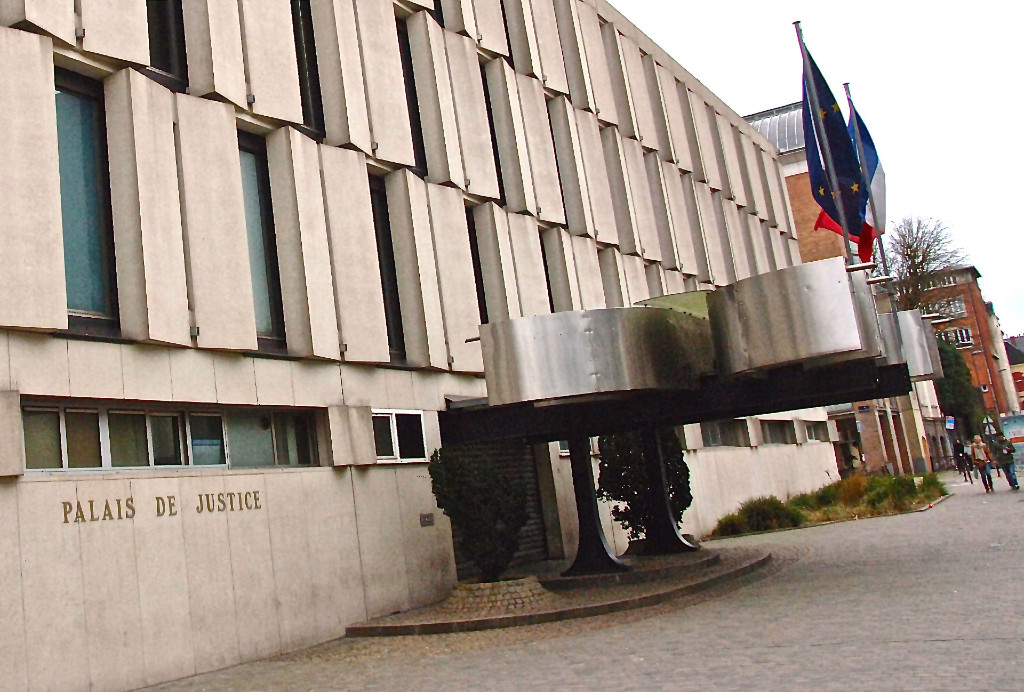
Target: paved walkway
(929, 601)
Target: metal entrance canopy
(803, 336)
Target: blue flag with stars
(843, 154)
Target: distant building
(892, 434)
(1015, 357)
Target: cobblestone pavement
(930, 601)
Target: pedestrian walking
(960, 459)
(982, 458)
(1002, 450)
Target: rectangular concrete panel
(210, 179)
(529, 262)
(353, 254)
(159, 542)
(351, 433)
(549, 46)
(664, 110)
(418, 289)
(655, 279)
(522, 37)
(235, 378)
(273, 382)
(547, 187)
(751, 161)
(32, 288)
(640, 190)
(704, 120)
(588, 272)
(766, 164)
(381, 549)
(625, 212)
(728, 134)
(384, 81)
(316, 384)
(490, 26)
(619, 81)
(146, 372)
(474, 131)
(635, 271)
(598, 184)
(561, 263)
(300, 225)
(113, 616)
(429, 558)
(270, 63)
(682, 207)
(571, 168)
(459, 17)
(115, 29)
(341, 74)
(664, 224)
(689, 132)
(739, 240)
(39, 364)
(56, 636)
(436, 102)
(497, 262)
(714, 236)
(510, 131)
(600, 77)
(640, 96)
(454, 261)
(12, 439)
(54, 17)
(152, 294)
(192, 375)
(13, 668)
(210, 584)
(94, 369)
(757, 242)
(577, 71)
(613, 277)
(213, 41)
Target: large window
(259, 227)
(167, 42)
(309, 72)
(725, 433)
(118, 436)
(398, 435)
(85, 205)
(817, 431)
(388, 270)
(778, 432)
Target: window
(778, 432)
(85, 205)
(259, 227)
(984, 387)
(309, 72)
(167, 43)
(725, 433)
(418, 148)
(116, 437)
(957, 307)
(958, 337)
(398, 435)
(388, 270)
(478, 272)
(817, 431)
(494, 135)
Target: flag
(843, 156)
(872, 169)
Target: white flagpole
(819, 126)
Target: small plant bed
(855, 497)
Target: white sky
(939, 90)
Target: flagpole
(812, 95)
(864, 177)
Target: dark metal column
(663, 538)
(593, 555)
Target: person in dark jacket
(1002, 450)
(960, 459)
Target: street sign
(950, 422)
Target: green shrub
(730, 525)
(636, 502)
(767, 513)
(852, 489)
(827, 495)
(932, 487)
(804, 501)
(487, 507)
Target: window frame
(770, 427)
(398, 458)
(276, 341)
(172, 21)
(812, 425)
(82, 322)
(310, 92)
(388, 267)
(711, 433)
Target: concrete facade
(614, 176)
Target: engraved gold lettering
(107, 514)
(129, 504)
(231, 501)
(256, 499)
(92, 511)
(79, 513)
(199, 507)
(119, 515)
(208, 499)
(67, 510)
(221, 502)
(172, 511)
(161, 506)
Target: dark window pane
(293, 437)
(83, 434)
(478, 272)
(259, 226)
(382, 436)
(167, 38)
(128, 446)
(251, 439)
(418, 149)
(84, 204)
(207, 440)
(309, 72)
(42, 439)
(166, 432)
(388, 270)
(410, 435)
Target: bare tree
(920, 250)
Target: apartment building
(247, 248)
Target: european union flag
(843, 155)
